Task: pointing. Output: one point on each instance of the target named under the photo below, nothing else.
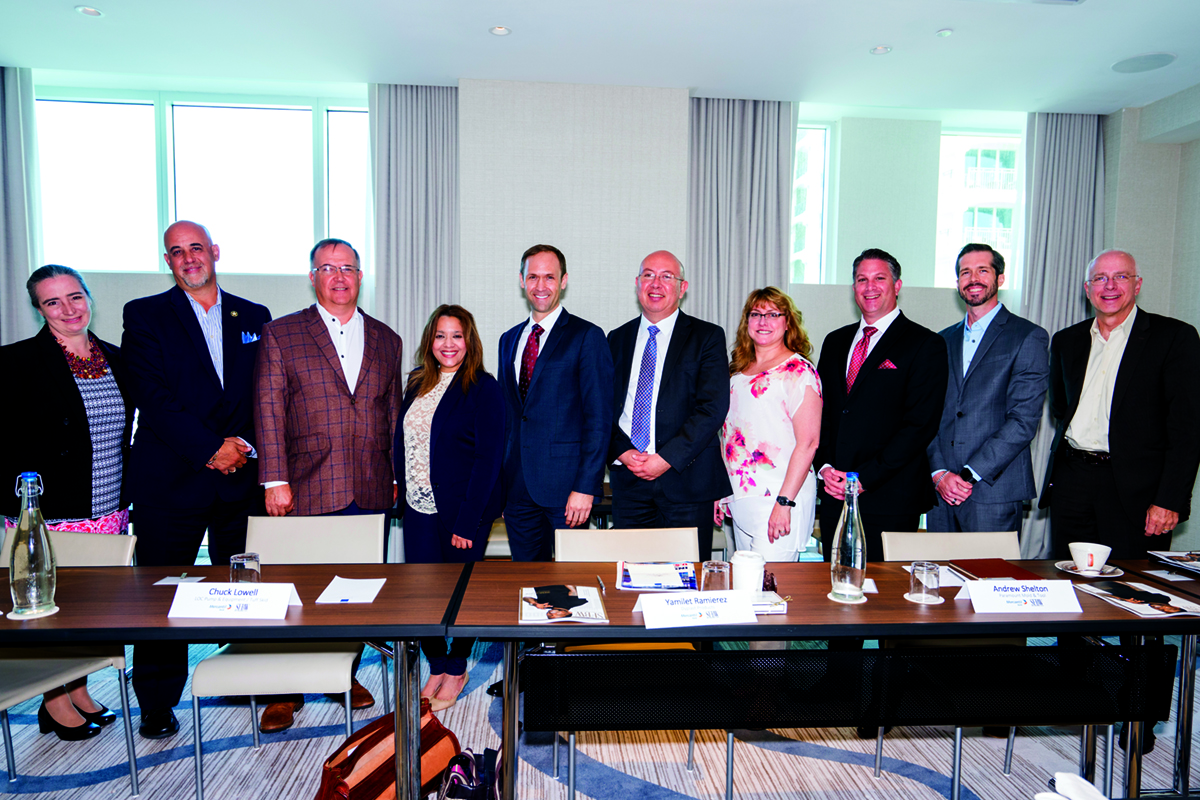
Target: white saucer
(1109, 570)
(937, 602)
(39, 615)
(860, 601)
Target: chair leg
(956, 766)
(383, 673)
(133, 768)
(254, 720)
(9, 758)
(199, 754)
(1008, 750)
(691, 765)
(1108, 759)
(879, 753)
(1087, 753)
(349, 716)
(729, 765)
(571, 765)
(555, 755)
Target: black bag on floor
(470, 776)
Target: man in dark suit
(885, 383)
(1125, 394)
(556, 374)
(327, 397)
(671, 397)
(190, 355)
(999, 369)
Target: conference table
(488, 610)
(121, 605)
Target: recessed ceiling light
(88, 11)
(1144, 62)
(881, 50)
(500, 30)
(944, 32)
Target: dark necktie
(859, 356)
(529, 358)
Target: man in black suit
(671, 395)
(190, 355)
(885, 383)
(1125, 394)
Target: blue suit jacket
(559, 435)
(466, 445)
(992, 413)
(184, 414)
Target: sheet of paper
(233, 601)
(351, 590)
(688, 609)
(946, 576)
(1020, 597)
(650, 575)
(1169, 576)
(175, 580)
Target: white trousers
(750, 517)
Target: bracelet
(938, 485)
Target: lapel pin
(233, 313)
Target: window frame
(823, 266)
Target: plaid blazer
(331, 446)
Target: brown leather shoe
(359, 696)
(279, 716)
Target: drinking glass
(243, 568)
(714, 576)
(924, 583)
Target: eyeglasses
(771, 315)
(665, 277)
(330, 269)
(1120, 279)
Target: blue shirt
(973, 335)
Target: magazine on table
(1181, 559)
(1143, 600)
(656, 576)
(561, 603)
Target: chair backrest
(81, 549)
(626, 544)
(941, 546)
(317, 540)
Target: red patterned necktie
(859, 356)
(529, 358)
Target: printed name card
(687, 609)
(1020, 597)
(233, 600)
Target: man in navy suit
(999, 371)
(190, 355)
(885, 382)
(670, 399)
(556, 374)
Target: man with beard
(999, 371)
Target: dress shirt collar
(880, 325)
(1125, 327)
(981, 326)
(665, 326)
(547, 323)
(333, 323)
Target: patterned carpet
(807, 764)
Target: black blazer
(882, 429)
(466, 445)
(57, 444)
(693, 401)
(1154, 423)
(184, 414)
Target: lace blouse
(417, 423)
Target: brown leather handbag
(364, 766)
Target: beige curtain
(19, 227)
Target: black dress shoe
(102, 717)
(47, 723)
(158, 724)
(496, 689)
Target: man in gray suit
(999, 371)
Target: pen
(603, 589)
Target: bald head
(192, 256)
(660, 285)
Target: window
(808, 204)
(269, 179)
(979, 200)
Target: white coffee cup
(1089, 557)
(748, 569)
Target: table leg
(1183, 715)
(1087, 753)
(1133, 759)
(512, 701)
(407, 710)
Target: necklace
(90, 368)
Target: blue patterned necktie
(639, 425)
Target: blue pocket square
(248, 337)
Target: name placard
(687, 609)
(233, 600)
(1020, 597)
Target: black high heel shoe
(47, 723)
(102, 717)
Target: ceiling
(1006, 56)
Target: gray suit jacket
(992, 413)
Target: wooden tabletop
(489, 609)
(121, 604)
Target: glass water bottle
(848, 558)
(31, 576)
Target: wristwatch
(783, 501)
(967, 476)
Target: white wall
(601, 172)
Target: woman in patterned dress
(76, 441)
(771, 431)
(448, 450)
